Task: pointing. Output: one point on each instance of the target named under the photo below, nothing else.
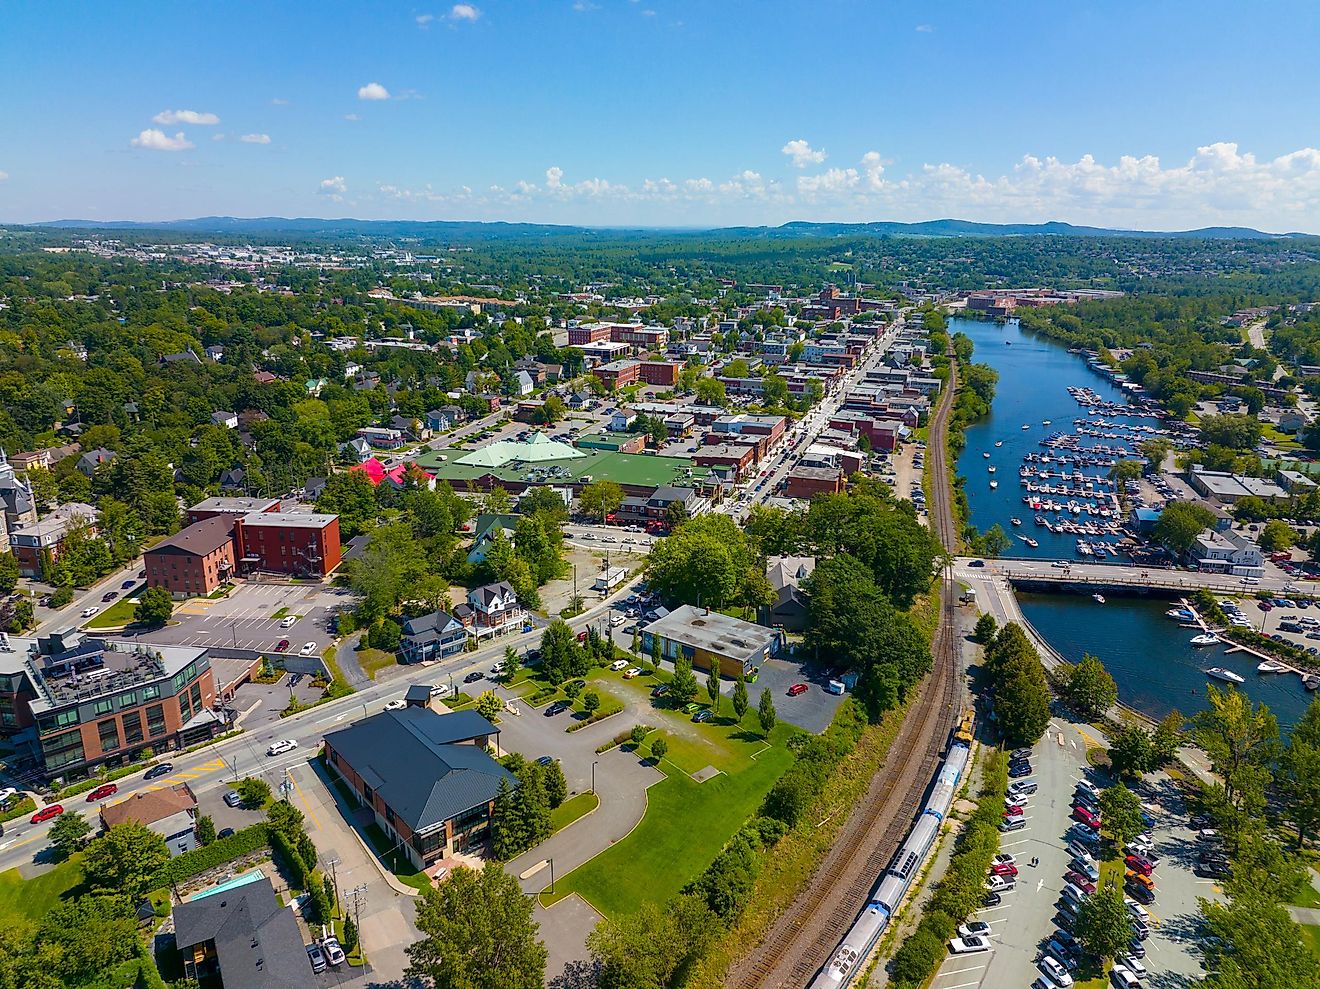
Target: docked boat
(1040, 520)
(1098, 598)
(993, 485)
(1205, 639)
(1180, 614)
(1014, 521)
(1219, 673)
(1311, 681)
(1270, 666)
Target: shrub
(199, 860)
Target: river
(1148, 655)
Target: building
(588, 333)
(241, 936)
(737, 460)
(304, 544)
(170, 811)
(656, 507)
(92, 459)
(663, 373)
(196, 560)
(609, 579)
(770, 427)
(426, 777)
(98, 701)
(808, 482)
(210, 508)
(642, 337)
(618, 374)
(432, 636)
(786, 574)
(706, 637)
(34, 543)
(382, 437)
(1228, 488)
(1226, 552)
(494, 607)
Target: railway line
(802, 939)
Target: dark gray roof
(413, 759)
(199, 539)
(435, 622)
(257, 942)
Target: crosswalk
(191, 774)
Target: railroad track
(802, 938)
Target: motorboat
(1219, 673)
(991, 468)
(986, 454)
(1098, 598)
(1205, 639)
(1270, 666)
(1179, 614)
(1014, 521)
(1311, 681)
(1031, 542)
(1026, 425)
(993, 485)
(1045, 422)
(999, 442)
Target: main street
(1119, 575)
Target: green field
(119, 613)
(373, 661)
(1311, 937)
(28, 900)
(637, 469)
(572, 809)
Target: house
(1292, 422)
(215, 353)
(1226, 552)
(786, 574)
(233, 479)
(357, 449)
(313, 487)
(706, 638)
(432, 636)
(484, 531)
(439, 420)
(171, 812)
(92, 459)
(581, 400)
(383, 437)
(494, 607)
(189, 356)
(264, 377)
(416, 428)
(426, 777)
(523, 383)
(365, 381)
(240, 935)
(313, 386)
(227, 419)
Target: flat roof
(238, 506)
(289, 520)
(714, 632)
(637, 469)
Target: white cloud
(373, 91)
(874, 168)
(553, 176)
(255, 138)
(585, 6)
(4, 176)
(925, 29)
(352, 117)
(217, 137)
(463, 12)
(832, 181)
(157, 140)
(802, 153)
(424, 20)
(334, 188)
(186, 117)
(277, 101)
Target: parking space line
(964, 985)
(964, 971)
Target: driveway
(259, 704)
(346, 656)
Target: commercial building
(93, 701)
(808, 482)
(771, 427)
(663, 373)
(618, 374)
(212, 507)
(642, 337)
(588, 333)
(1228, 488)
(735, 459)
(1226, 552)
(426, 777)
(195, 560)
(706, 637)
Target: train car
(966, 727)
(898, 878)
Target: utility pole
(359, 893)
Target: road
(217, 765)
(1126, 575)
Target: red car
(1081, 882)
(282, 645)
(102, 791)
(1013, 812)
(1139, 865)
(796, 689)
(46, 813)
(1086, 817)
(1003, 869)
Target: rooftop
(720, 634)
(288, 520)
(150, 806)
(235, 506)
(199, 539)
(257, 941)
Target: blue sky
(665, 112)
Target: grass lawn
(1311, 937)
(119, 613)
(24, 900)
(572, 809)
(373, 661)
(1307, 896)
(396, 861)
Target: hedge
(617, 740)
(601, 714)
(199, 860)
(21, 809)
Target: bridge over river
(1121, 578)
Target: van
(1122, 978)
(1073, 893)
(1012, 824)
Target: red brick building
(660, 373)
(618, 374)
(590, 333)
(213, 507)
(646, 337)
(738, 458)
(807, 482)
(195, 560)
(304, 544)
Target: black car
(473, 677)
(558, 707)
(1136, 949)
(224, 833)
(1067, 940)
(992, 900)
(1018, 771)
(155, 772)
(1140, 893)
(578, 684)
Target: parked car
(632, 672)
(1055, 971)
(1138, 864)
(1012, 824)
(289, 621)
(1000, 884)
(1012, 811)
(703, 716)
(398, 704)
(1004, 858)
(232, 798)
(660, 690)
(1018, 771)
(334, 954)
(1086, 817)
(474, 676)
(157, 771)
(1016, 800)
(1022, 786)
(619, 664)
(317, 957)
(1003, 869)
(797, 689)
(1088, 788)
(225, 833)
(1082, 882)
(1085, 867)
(968, 945)
(47, 813)
(307, 649)
(992, 900)
(558, 707)
(102, 791)
(282, 645)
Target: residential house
(92, 459)
(494, 607)
(234, 479)
(432, 636)
(241, 936)
(789, 609)
(523, 383)
(416, 428)
(171, 812)
(215, 353)
(356, 448)
(227, 419)
(485, 529)
(1226, 552)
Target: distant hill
(514, 231)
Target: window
(104, 706)
(195, 695)
(133, 728)
(109, 732)
(151, 692)
(156, 720)
(63, 750)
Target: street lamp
(593, 777)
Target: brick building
(807, 482)
(195, 560)
(588, 333)
(300, 543)
(618, 374)
(660, 373)
(644, 337)
(212, 507)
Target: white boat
(1098, 598)
(1181, 614)
(1026, 425)
(986, 454)
(1015, 521)
(991, 468)
(1270, 666)
(1219, 673)
(1031, 542)
(999, 442)
(1205, 639)
(993, 485)
(1045, 422)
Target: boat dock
(1232, 647)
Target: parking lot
(251, 617)
(1024, 921)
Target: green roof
(635, 469)
(539, 449)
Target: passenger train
(897, 879)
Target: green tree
(1131, 752)
(659, 747)
(1299, 773)
(766, 714)
(254, 791)
(711, 391)
(67, 834)
(556, 787)
(507, 833)
(1104, 926)
(600, 498)
(477, 933)
(561, 656)
(1251, 941)
(683, 684)
(154, 607)
(1180, 523)
(1167, 737)
(1121, 811)
(349, 942)
(1276, 535)
(1237, 432)
(638, 735)
(204, 829)
(590, 702)
(985, 628)
(645, 949)
(1089, 688)
(124, 859)
(489, 705)
(8, 573)
(713, 685)
(1240, 739)
(741, 702)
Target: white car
(1088, 788)
(631, 672)
(88, 612)
(1003, 858)
(999, 884)
(619, 664)
(1016, 800)
(975, 928)
(289, 622)
(307, 649)
(1055, 971)
(282, 746)
(334, 954)
(616, 620)
(7, 793)
(396, 705)
(968, 945)
(1133, 965)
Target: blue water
(1149, 655)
